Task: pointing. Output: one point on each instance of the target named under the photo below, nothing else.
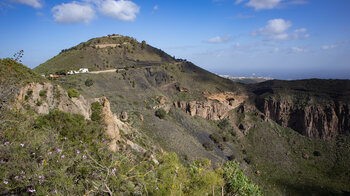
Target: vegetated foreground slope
(194, 113)
(47, 148)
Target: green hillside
(65, 154)
(103, 53)
(280, 160)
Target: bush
(73, 93)
(143, 44)
(38, 103)
(160, 113)
(208, 146)
(42, 93)
(29, 92)
(224, 124)
(96, 111)
(237, 183)
(216, 138)
(89, 82)
(317, 153)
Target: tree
(160, 113)
(89, 82)
(143, 44)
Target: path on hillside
(103, 71)
(121, 69)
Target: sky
(282, 39)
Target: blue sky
(285, 39)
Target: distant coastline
(246, 80)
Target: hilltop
(113, 51)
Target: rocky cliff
(216, 106)
(311, 119)
(46, 96)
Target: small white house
(81, 70)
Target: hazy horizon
(282, 39)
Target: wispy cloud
(219, 39)
(238, 1)
(271, 4)
(156, 7)
(32, 3)
(69, 13)
(276, 29)
(243, 16)
(263, 4)
(336, 45)
(297, 49)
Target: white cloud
(284, 4)
(297, 50)
(155, 7)
(271, 4)
(219, 39)
(300, 34)
(327, 47)
(121, 9)
(263, 4)
(276, 29)
(336, 45)
(33, 3)
(74, 12)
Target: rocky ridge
(312, 120)
(55, 97)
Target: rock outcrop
(324, 120)
(216, 106)
(208, 109)
(45, 97)
(113, 124)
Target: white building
(81, 70)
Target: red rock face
(312, 120)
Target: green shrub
(216, 137)
(96, 111)
(203, 179)
(89, 82)
(73, 93)
(237, 183)
(42, 93)
(29, 92)
(143, 44)
(224, 124)
(160, 113)
(38, 103)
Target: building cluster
(81, 70)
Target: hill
(197, 114)
(54, 141)
(113, 51)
